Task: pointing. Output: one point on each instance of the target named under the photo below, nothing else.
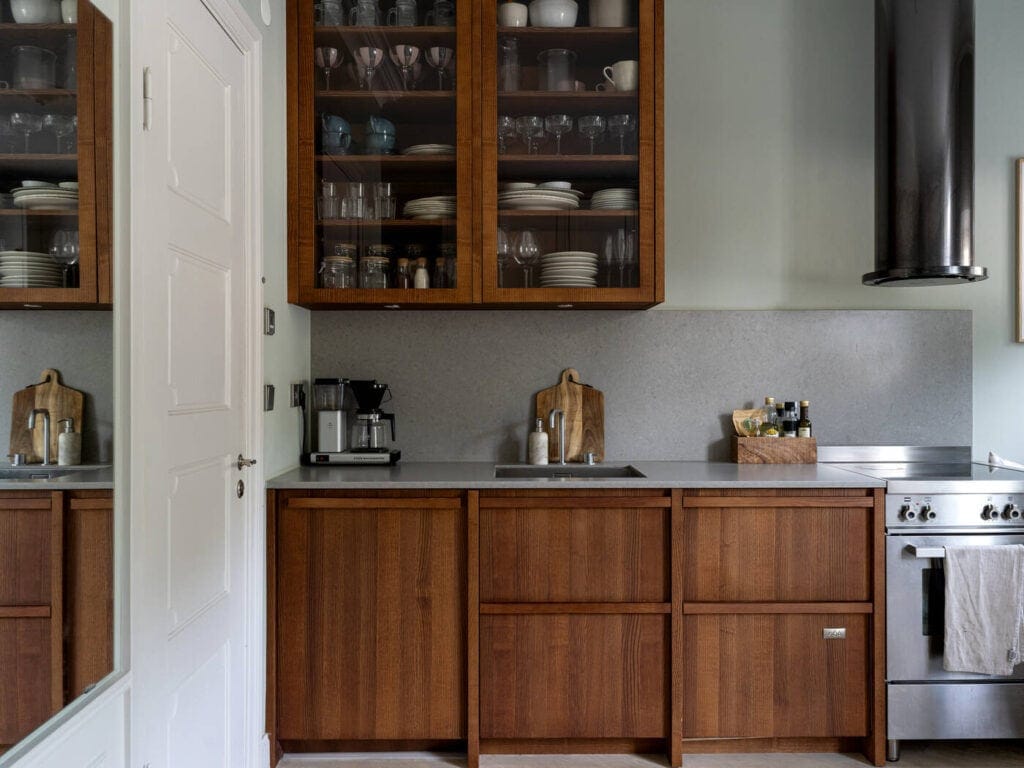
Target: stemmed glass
(369, 57)
(504, 254)
(61, 125)
(591, 126)
(620, 126)
(526, 254)
(327, 58)
(26, 123)
(558, 125)
(530, 128)
(506, 130)
(439, 57)
(404, 57)
(64, 251)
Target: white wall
(769, 200)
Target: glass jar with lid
(338, 272)
(450, 251)
(375, 266)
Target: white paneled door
(195, 372)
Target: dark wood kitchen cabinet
(369, 619)
(450, 175)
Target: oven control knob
(927, 513)
(907, 512)
(990, 512)
(1012, 512)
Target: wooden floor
(951, 754)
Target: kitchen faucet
(561, 431)
(46, 431)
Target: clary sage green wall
(769, 197)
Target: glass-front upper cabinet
(571, 159)
(380, 152)
(55, 154)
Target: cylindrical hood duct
(924, 143)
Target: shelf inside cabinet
(393, 167)
(567, 102)
(44, 35)
(571, 166)
(396, 104)
(585, 41)
(12, 213)
(45, 167)
(389, 223)
(384, 37)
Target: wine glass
(609, 258)
(526, 254)
(558, 125)
(625, 254)
(64, 251)
(529, 127)
(61, 125)
(620, 126)
(439, 57)
(369, 57)
(327, 58)
(504, 254)
(591, 126)
(506, 130)
(404, 57)
(26, 123)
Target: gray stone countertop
(92, 479)
(658, 474)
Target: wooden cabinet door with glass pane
(55, 155)
(380, 153)
(571, 158)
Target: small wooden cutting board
(61, 402)
(584, 417)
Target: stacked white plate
(568, 269)
(45, 198)
(26, 269)
(429, 149)
(538, 199)
(437, 207)
(613, 199)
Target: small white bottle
(69, 444)
(538, 444)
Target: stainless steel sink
(39, 472)
(565, 472)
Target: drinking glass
(7, 143)
(439, 57)
(528, 127)
(404, 57)
(327, 58)
(620, 126)
(329, 13)
(62, 126)
(364, 13)
(369, 57)
(591, 126)
(609, 259)
(504, 254)
(625, 255)
(403, 14)
(506, 130)
(64, 250)
(558, 125)
(526, 254)
(27, 124)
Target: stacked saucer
(614, 199)
(437, 207)
(540, 199)
(429, 149)
(568, 269)
(44, 196)
(26, 269)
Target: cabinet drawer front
(574, 555)
(777, 554)
(574, 676)
(760, 676)
(25, 553)
(25, 670)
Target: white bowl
(35, 11)
(34, 184)
(553, 13)
(566, 185)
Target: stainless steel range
(935, 498)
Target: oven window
(933, 602)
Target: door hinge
(147, 99)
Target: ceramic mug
(513, 14)
(335, 134)
(622, 75)
(609, 13)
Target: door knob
(244, 462)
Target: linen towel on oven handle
(984, 609)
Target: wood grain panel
(371, 622)
(762, 676)
(574, 676)
(25, 550)
(751, 554)
(574, 555)
(25, 678)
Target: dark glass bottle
(789, 419)
(803, 426)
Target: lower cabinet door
(25, 678)
(775, 675)
(574, 676)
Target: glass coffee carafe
(373, 432)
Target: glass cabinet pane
(385, 77)
(567, 117)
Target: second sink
(565, 472)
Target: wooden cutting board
(61, 402)
(584, 417)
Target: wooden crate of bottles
(775, 450)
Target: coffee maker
(372, 431)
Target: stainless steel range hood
(924, 143)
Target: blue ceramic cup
(335, 135)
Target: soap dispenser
(69, 444)
(538, 444)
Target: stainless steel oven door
(915, 605)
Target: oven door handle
(927, 553)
